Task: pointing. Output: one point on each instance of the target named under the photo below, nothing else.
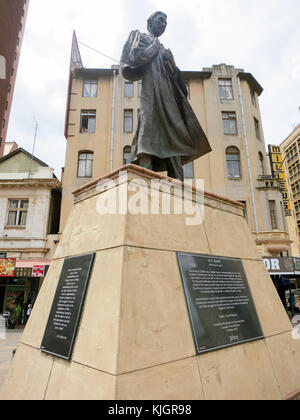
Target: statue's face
(158, 25)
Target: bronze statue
(168, 134)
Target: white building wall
(34, 234)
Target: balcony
(292, 159)
(273, 242)
(294, 177)
(268, 181)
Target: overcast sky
(262, 37)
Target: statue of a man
(168, 134)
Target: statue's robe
(167, 125)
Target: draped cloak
(167, 125)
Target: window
(126, 154)
(245, 209)
(128, 89)
(85, 164)
(128, 121)
(273, 214)
(257, 130)
(140, 87)
(2, 67)
(17, 212)
(188, 170)
(253, 98)
(229, 123)
(87, 122)
(90, 89)
(261, 164)
(233, 162)
(225, 89)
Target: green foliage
(17, 313)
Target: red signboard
(7, 267)
(38, 271)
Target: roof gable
(20, 161)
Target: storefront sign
(66, 309)
(3, 255)
(278, 171)
(279, 266)
(7, 267)
(219, 301)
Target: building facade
(102, 117)
(12, 23)
(30, 197)
(290, 149)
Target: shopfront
(20, 283)
(285, 273)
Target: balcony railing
(268, 181)
(265, 177)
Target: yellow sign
(278, 171)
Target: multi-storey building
(12, 23)
(30, 197)
(290, 148)
(102, 117)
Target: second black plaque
(219, 300)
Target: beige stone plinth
(134, 339)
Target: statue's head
(157, 23)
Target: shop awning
(31, 263)
(287, 266)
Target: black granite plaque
(220, 304)
(66, 309)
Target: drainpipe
(248, 156)
(112, 137)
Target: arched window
(261, 164)
(188, 170)
(85, 164)
(126, 154)
(233, 162)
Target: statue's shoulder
(136, 40)
(135, 32)
(137, 36)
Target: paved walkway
(7, 345)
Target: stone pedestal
(134, 339)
